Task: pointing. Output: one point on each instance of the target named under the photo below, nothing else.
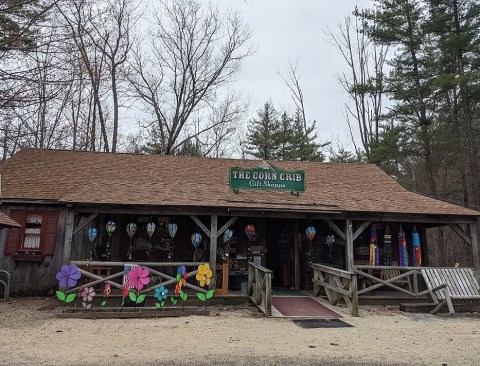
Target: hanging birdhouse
(92, 234)
(111, 226)
(196, 239)
(310, 232)
(172, 230)
(131, 229)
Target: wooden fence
(84, 266)
(338, 284)
(260, 287)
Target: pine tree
(284, 138)
(304, 147)
(262, 138)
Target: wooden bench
(449, 286)
(387, 274)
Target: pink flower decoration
(88, 294)
(139, 277)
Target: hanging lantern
(172, 230)
(310, 231)
(374, 255)
(417, 251)
(111, 226)
(92, 234)
(196, 239)
(131, 229)
(150, 229)
(227, 235)
(250, 231)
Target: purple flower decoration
(68, 276)
(181, 270)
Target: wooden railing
(169, 280)
(260, 287)
(392, 277)
(6, 284)
(338, 284)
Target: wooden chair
(449, 286)
(363, 282)
(387, 274)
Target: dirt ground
(30, 335)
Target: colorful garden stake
(67, 277)
(196, 239)
(310, 232)
(161, 294)
(204, 274)
(250, 232)
(87, 295)
(417, 251)
(387, 247)
(402, 247)
(131, 230)
(374, 256)
(106, 292)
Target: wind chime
(196, 241)
(227, 236)
(374, 256)
(172, 231)
(310, 232)
(111, 226)
(131, 230)
(387, 247)
(250, 232)
(402, 247)
(150, 231)
(92, 234)
(417, 251)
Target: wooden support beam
(227, 225)
(476, 257)
(349, 245)
(213, 248)
(85, 223)
(201, 225)
(336, 228)
(67, 247)
(461, 233)
(360, 230)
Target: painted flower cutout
(68, 276)
(139, 277)
(161, 293)
(125, 291)
(204, 274)
(107, 290)
(182, 271)
(88, 293)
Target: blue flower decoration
(161, 293)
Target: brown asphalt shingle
(154, 180)
(6, 221)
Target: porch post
(349, 244)
(296, 242)
(69, 226)
(474, 240)
(213, 248)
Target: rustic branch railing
(149, 265)
(260, 287)
(338, 284)
(413, 274)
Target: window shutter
(15, 235)
(48, 234)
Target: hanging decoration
(250, 231)
(227, 236)
(374, 256)
(111, 226)
(310, 231)
(387, 247)
(131, 230)
(196, 239)
(417, 251)
(150, 231)
(330, 241)
(92, 234)
(402, 247)
(172, 231)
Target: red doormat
(302, 306)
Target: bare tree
(196, 51)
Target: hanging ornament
(402, 247)
(227, 235)
(111, 226)
(172, 229)
(92, 234)
(374, 256)
(387, 248)
(250, 231)
(417, 251)
(150, 229)
(196, 239)
(131, 230)
(310, 231)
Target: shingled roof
(7, 222)
(154, 180)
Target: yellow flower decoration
(204, 274)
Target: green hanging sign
(267, 179)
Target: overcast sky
(294, 30)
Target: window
(37, 236)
